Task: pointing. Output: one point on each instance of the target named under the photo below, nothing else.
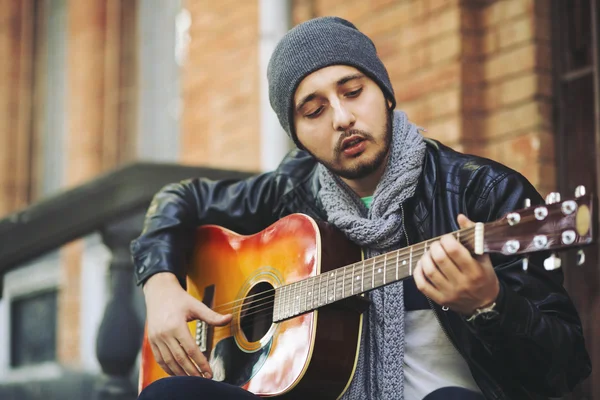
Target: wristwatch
(484, 314)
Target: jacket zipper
(497, 388)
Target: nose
(343, 118)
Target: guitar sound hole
(257, 312)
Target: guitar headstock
(554, 226)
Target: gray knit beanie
(315, 44)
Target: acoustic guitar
(294, 292)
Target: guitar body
(313, 354)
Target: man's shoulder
(297, 165)
(456, 169)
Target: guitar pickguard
(232, 365)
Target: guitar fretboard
(309, 294)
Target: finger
(181, 358)
(169, 360)
(202, 312)
(423, 284)
(440, 257)
(464, 221)
(457, 256)
(193, 352)
(432, 272)
(159, 359)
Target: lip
(352, 138)
(355, 149)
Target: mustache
(366, 135)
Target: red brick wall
(15, 104)
(475, 74)
(220, 85)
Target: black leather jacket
(536, 350)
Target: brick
(411, 35)
(418, 10)
(388, 22)
(493, 14)
(302, 10)
(428, 81)
(444, 22)
(419, 57)
(518, 89)
(447, 131)
(435, 6)
(515, 119)
(516, 8)
(515, 31)
(473, 99)
(471, 20)
(471, 47)
(499, 11)
(417, 111)
(68, 304)
(221, 116)
(472, 73)
(543, 28)
(387, 46)
(444, 104)
(490, 42)
(473, 126)
(511, 62)
(445, 48)
(379, 4)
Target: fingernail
(207, 375)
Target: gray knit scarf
(379, 373)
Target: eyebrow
(340, 82)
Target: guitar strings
(296, 311)
(399, 253)
(347, 284)
(377, 262)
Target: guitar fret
(334, 273)
(286, 301)
(312, 293)
(410, 262)
(304, 309)
(362, 278)
(293, 305)
(344, 284)
(373, 275)
(276, 305)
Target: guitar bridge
(202, 335)
(203, 330)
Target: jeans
(192, 388)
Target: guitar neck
(309, 294)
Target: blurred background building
(89, 89)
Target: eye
(354, 93)
(315, 113)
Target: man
(464, 328)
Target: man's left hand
(449, 275)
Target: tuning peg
(580, 257)
(580, 191)
(552, 197)
(527, 203)
(553, 262)
(525, 263)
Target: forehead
(323, 78)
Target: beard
(361, 169)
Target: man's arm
(178, 209)
(160, 256)
(539, 334)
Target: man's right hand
(169, 308)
